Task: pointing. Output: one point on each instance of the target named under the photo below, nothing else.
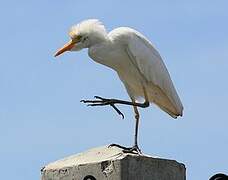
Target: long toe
(119, 146)
(132, 150)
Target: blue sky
(42, 119)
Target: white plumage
(135, 60)
(133, 57)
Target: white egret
(137, 63)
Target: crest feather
(90, 26)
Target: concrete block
(105, 163)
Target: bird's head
(84, 35)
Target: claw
(98, 97)
(117, 110)
(101, 98)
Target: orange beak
(67, 47)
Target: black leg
(135, 149)
(104, 101)
(136, 128)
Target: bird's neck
(98, 39)
(100, 52)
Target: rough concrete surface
(105, 163)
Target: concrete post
(105, 163)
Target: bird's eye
(79, 37)
(84, 39)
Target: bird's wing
(151, 66)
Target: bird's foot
(102, 102)
(133, 150)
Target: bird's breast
(117, 59)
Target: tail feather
(159, 98)
(172, 114)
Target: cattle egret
(137, 63)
